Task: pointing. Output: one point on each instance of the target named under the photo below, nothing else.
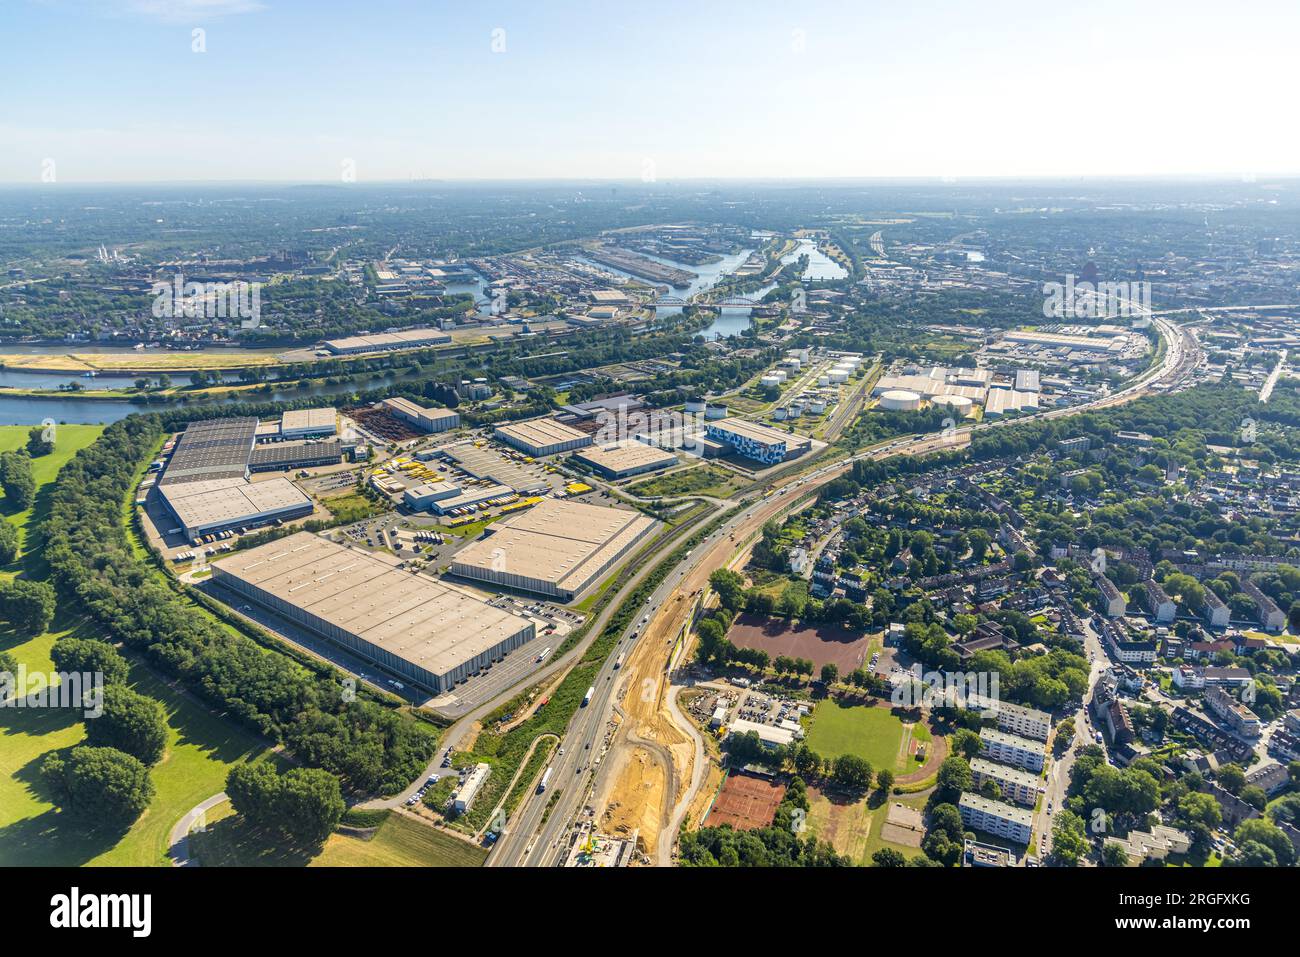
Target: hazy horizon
(286, 91)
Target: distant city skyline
(290, 91)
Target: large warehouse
(215, 505)
(205, 484)
(309, 423)
(625, 459)
(387, 341)
(557, 548)
(430, 420)
(542, 437)
(411, 624)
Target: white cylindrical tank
(837, 376)
(718, 411)
(958, 403)
(695, 405)
(900, 400)
(823, 380)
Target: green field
(871, 733)
(68, 441)
(201, 747)
(399, 842)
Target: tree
(965, 742)
(304, 804)
(830, 673)
(1069, 838)
(16, 480)
(953, 777)
(888, 857)
(28, 605)
(884, 779)
(730, 588)
(130, 722)
(86, 655)
(40, 441)
(851, 771)
(1268, 834)
(1113, 855)
(99, 786)
(8, 543)
(1231, 778)
(1255, 796)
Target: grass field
(143, 361)
(700, 480)
(871, 733)
(68, 441)
(399, 842)
(854, 829)
(201, 748)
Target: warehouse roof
(627, 455)
(228, 501)
(212, 449)
(298, 420)
(415, 617)
(757, 432)
(540, 433)
(565, 543)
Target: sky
(327, 90)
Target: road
(537, 834)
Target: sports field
(872, 733)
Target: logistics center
(557, 548)
(413, 625)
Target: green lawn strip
(399, 841)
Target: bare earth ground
(820, 644)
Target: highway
(536, 835)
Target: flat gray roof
(230, 501)
(415, 617)
(628, 455)
(564, 543)
(541, 432)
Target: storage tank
(958, 403)
(900, 400)
(823, 380)
(768, 381)
(779, 415)
(715, 411)
(837, 376)
(695, 405)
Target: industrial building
(411, 624)
(421, 497)
(758, 442)
(470, 787)
(489, 464)
(206, 486)
(387, 341)
(217, 505)
(472, 498)
(276, 456)
(540, 437)
(429, 420)
(557, 548)
(309, 423)
(626, 459)
(994, 817)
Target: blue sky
(111, 90)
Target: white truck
(586, 699)
(546, 779)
